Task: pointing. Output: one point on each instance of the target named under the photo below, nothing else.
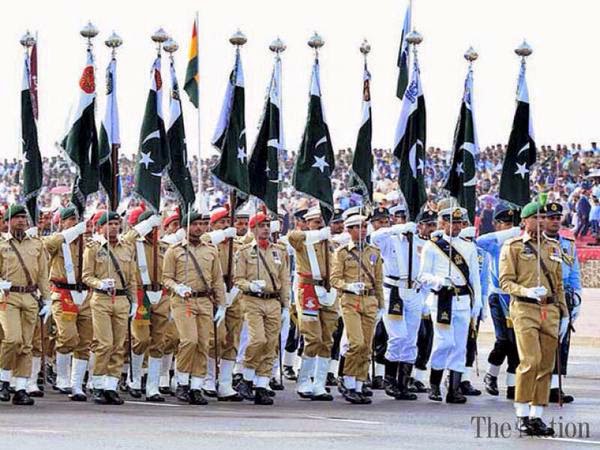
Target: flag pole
(199, 163)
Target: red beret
(218, 214)
(97, 216)
(257, 219)
(168, 220)
(134, 214)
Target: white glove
(355, 288)
(536, 292)
(437, 233)
(46, 310)
(5, 285)
(275, 226)
(398, 229)
(107, 284)
(70, 234)
(219, 314)
(230, 232)
(257, 286)
(31, 232)
(145, 227)
(410, 227)
(380, 313)
(562, 330)
(183, 290)
(133, 309)
(230, 296)
(285, 315)
(326, 298)
(324, 233)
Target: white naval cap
(398, 209)
(313, 213)
(467, 233)
(353, 220)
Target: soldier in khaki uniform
(261, 273)
(316, 304)
(70, 305)
(23, 272)
(150, 323)
(192, 273)
(109, 269)
(539, 315)
(358, 274)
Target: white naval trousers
(403, 334)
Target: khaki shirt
(346, 269)
(176, 271)
(249, 267)
(297, 238)
(98, 265)
(53, 244)
(132, 237)
(223, 249)
(35, 258)
(518, 268)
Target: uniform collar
(551, 239)
(8, 236)
(101, 239)
(352, 245)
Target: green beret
(14, 210)
(193, 216)
(143, 216)
(69, 211)
(106, 217)
(530, 209)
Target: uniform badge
(276, 257)
(527, 251)
(445, 316)
(373, 259)
(458, 259)
(102, 253)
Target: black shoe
(326, 397)
(36, 394)
(98, 396)
(365, 400)
(523, 426)
(491, 384)
(554, 396)
(353, 397)
(209, 393)
(276, 385)
(112, 398)
(5, 392)
(434, 393)
(262, 397)
(404, 370)
(454, 395)
(237, 377)
(331, 381)
(289, 374)
(50, 375)
(340, 385)
(165, 390)
(156, 398)
(435, 379)
(123, 383)
(391, 388)
(366, 392)
(270, 392)
(183, 393)
(135, 393)
(377, 383)
(21, 398)
(196, 397)
(304, 394)
(538, 428)
(510, 392)
(416, 386)
(231, 398)
(245, 390)
(79, 397)
(12, 390)
(64, 391)
(466, 388)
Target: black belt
(311, 281)
(198, 294)
(549, 300)
(364, 292)
(390, 286)
(116, 292)
(24, 289)
(69, 286)
(392, 277)
(460, 290)
(262, 295)
(152, 287)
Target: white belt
(403, 284)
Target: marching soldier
(192, 273)
(23, 272)
(151, 320)
(109, 269)
(572, 285)
(357, 273)
(261, 274)
(539, 315)
(449, 268)
(315, 304)
(70, 304)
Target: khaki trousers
(109, 318)
(151, 336)
(537, 341)
(358, 313)
(73, 333)
(171, 338)
(264, 322)
(18, 316)
(229, 333)
(318, 332)
(194, 320)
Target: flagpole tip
(365, 47)
(27, 40)
(171, 46)
(114, 41)
(414, 37)
(277, 46)
(316, 41)
(524, 50)
(471, 55)
(89, 31)
(238, 38)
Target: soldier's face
(68, 222)
(18, 223)
(337, 227)
(380, 223)
(531, 224)
(452, 229)
(262, 230)
(399, 219)
(220, 224)
(426, 228)
(113, 228)
(500, 226)
(358, 233)
(241, 225)
(301, 225)
(197, 229)
(552, 224)
(315, 224)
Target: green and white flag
(110, 140)
(362, 170)
(403, 62)
(461, 179)
(263, 167)
(521, 151)
(32, 159)
(230, 135)
(315, 163)
(179, 173)
(409, 145)
(80, 143)
(153, 156)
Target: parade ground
(291, 423)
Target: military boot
(454, 395)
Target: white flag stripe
(175, 101)
(227, 105)
(409, 103)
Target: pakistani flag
(263, 167)
(110, 140)
(230, 135)
(409, 145)
(179, 173)
(80, 143)
(361, 173)
(404, 55)
(462, 177)
(315, 163)
(192, 75)
(153, 155)
(520, 155)
(32, 160)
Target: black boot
(554, 396)
(98, 396)
(390, 380)
(510, 392)
(165, 390)
(331, 381)
(123, 383)
(466, 388)
(21, 398)
(112, 398)
(261, 397)
(404, 370)
(289, 374)
(416, 386)
(340, 384)
(377, 383)
(196, 398)
(135, 393)
(537, 427)
(276, 385)
(183, 393)
(491, 384)
(523, 426)
(155, 398)
(365, 391)
(5, 392)
(245, 389)
(78, 397)
(435, 378)
(353, 397)
(454, 395)
(237, 377)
